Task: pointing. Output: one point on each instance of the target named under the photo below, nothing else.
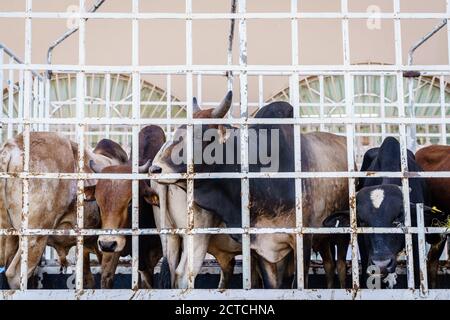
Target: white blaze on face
(377, 197)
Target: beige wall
(108, 42)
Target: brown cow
(62, 244)
(113, 197)
(436, 158)
(51, 201)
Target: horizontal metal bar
(220, 294)
(235, 121)
(228, 175)
(222, 16)
(251, 230)
(236, 69)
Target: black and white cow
(379, 203)
(272, 201)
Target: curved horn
(221, 110)
(144, 167)
(95, 167)
(195, 106)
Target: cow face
(171, 158)
(113, 197)
(381, 206)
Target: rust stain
(352, 202)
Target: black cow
(379, 203)
(272, 201)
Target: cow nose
(155, 169)
(386, 266)
(107, 246)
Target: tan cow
(51, 201)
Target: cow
(436, 158)
(52, 202)
(379, 203)
(62, 244)
(113, 197)
(171, 212)
(272, 201)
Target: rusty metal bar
(422, 250)
(245, 200)
(136, 114)
(294, 95)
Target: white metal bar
(251, 230)
(223, 16)
(350, 133)
(189, 150)
(10, 99)
(231, 175)
(403, 143)
(2, 76)
(26, 105)
(294, 94)
(169, 104)
(243, 80)
(136, 113)
(220, 69)
(422, 253)
(230, 48)
(382, 106)
(321, 101)
(230, 294)
(236, 121)
(80, 128)
(443, 114)
(108, 102)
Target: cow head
(113, 197)
(381, 206)
(171, 158)
(377, 206)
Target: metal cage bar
(37, 94)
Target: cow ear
(337, 220)
(149, 194)
(89, 193)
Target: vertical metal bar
(411, 129)
(230, 47)
(321, 102)
(41, 103)
(294, 94)
(10, 98)
(260, 91)
(80, 140)
(403, 142)
(350, 134)
(35, 99)
(246, 268)
(422, 252)
(190, 158)
(26, 154)
(108, 102)
(199, 89)
(382, 106)
(20, 100)
(168, 104)
(1, 86)
(47, 102)
(442, 107)
(136, 90)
